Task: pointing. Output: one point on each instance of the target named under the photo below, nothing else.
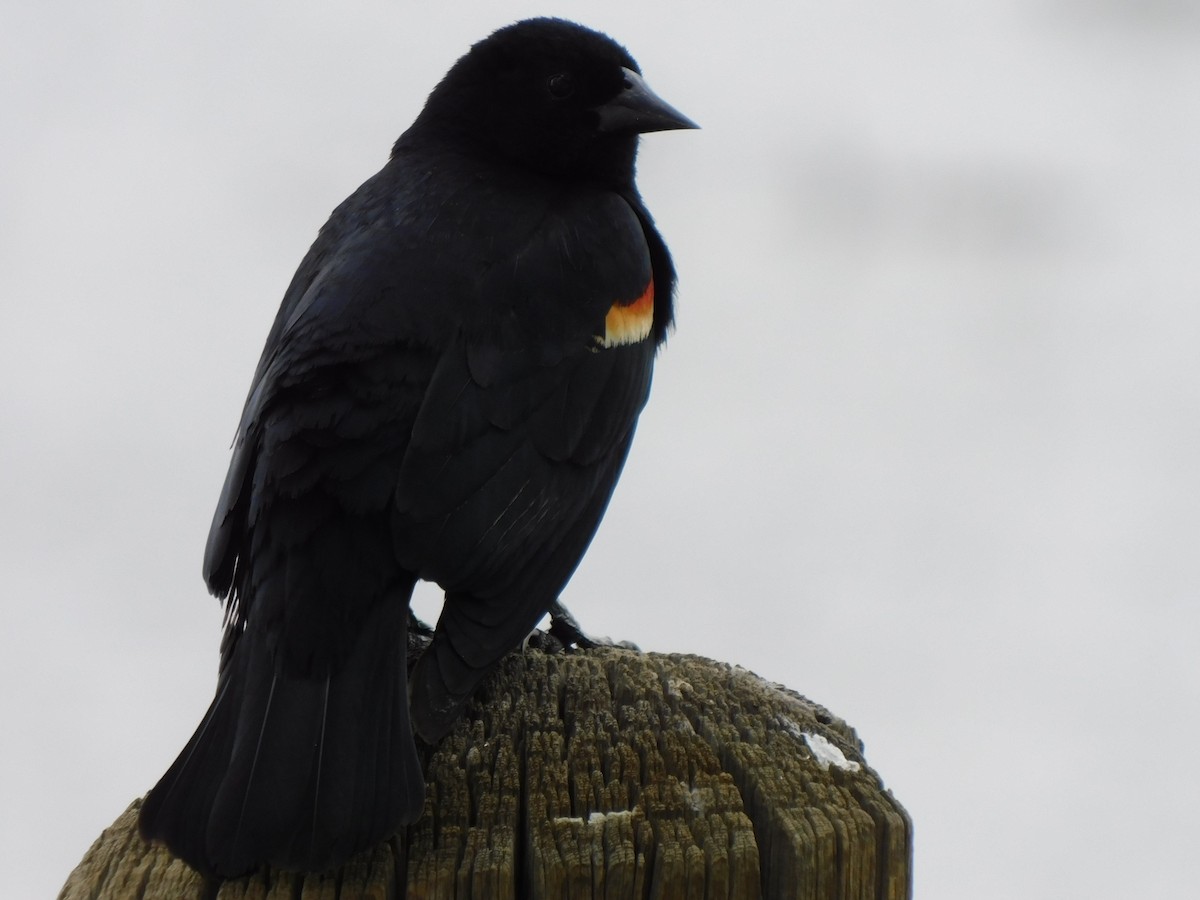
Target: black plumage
(448, 393)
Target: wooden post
(606, 774)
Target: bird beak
(639, 110)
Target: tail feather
(296, 772)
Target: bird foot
(565, 634)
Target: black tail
(295, 772)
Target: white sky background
(925, 446)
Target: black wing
(523, 432)
(300, 535)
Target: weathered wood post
(602, 774)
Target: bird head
(553, 97)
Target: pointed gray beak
(639, 110)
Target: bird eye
(561, 85)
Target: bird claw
(565, 631)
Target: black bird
(448, 393)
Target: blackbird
(448, 393)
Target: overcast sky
(924, 447)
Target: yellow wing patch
(628, 323)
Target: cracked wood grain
(601, 774)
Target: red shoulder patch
(629, 322)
